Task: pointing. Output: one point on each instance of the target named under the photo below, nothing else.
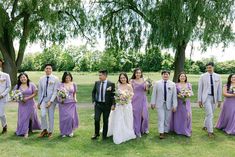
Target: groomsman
(209, 93)
(5, 87)
(103, 99)
(164, 97)
(47, 91)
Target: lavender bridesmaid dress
(181, 121)
(140, 109)
(68, 112)
(27, 113)
(226, 120)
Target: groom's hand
(174, 109)
(152, 106)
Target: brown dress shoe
(50, 135)
(4, 129)
(204, 129)
(161, 136)
(211, 135)
(43, 133)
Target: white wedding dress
(121, 123)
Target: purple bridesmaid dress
(27, 111)
(68, 112)
(140, 109)
(181, 120)
(226, 120)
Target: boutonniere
(109, 88)
(51, 82)
(2, 80)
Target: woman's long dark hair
(183, 73)
(66, 73)
(134, 73)
(19, 82)
(229, 81)
(124, 74)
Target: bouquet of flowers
(184, 94)
(232, 89)
(149, 84)
(123, 97)
(17, 95)
(62, 94)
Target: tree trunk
(10, 68)
(179, 60)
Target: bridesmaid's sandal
(63, 136)
(26, 135)
(71, 135)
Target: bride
(121, 118)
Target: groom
(209, 93)
(103, 100)
(164, 97)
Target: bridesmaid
(139, 103)
(226, 120)
(68, 107)
(27, 110)
(181, 121)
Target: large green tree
(25, 21)
(131, 24)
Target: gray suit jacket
(158, 94)
(51, 89)
(5, 86)
(204, 87)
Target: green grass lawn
(149, 145)
(85, 82)
(81, 145)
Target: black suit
(103, 107)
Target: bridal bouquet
(232, 89)
(17, 95)
(123, 97)
(62, 94)
(149, 83)
(184, 94)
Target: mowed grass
(82, 145)
(199, 145)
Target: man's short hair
(165, 71)
(104, 71)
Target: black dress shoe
(204, 129)
(95, 137)
(4, 130)
(104, 138)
